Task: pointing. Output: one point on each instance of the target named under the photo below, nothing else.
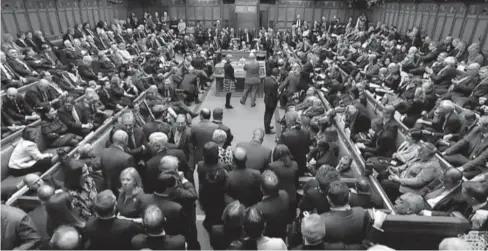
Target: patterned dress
(225, 156)
(83, 199)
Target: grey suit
(114, 159)
(258, 156)
(201, 133)
(252, 81)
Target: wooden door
(263, 19)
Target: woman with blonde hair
(225, 154)
(128, 203)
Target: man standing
(252, 79)
(270, 99)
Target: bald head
(205, 113)
(43, 84)
(65, 238)
(450, 61)
(120, 137)
(454, 244)
(44, 192)
(240, 155)
(12, 91)
(153, 220)
(33, 181)
(258, 135)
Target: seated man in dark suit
(108, 98)
(315, 191)
(382, 141)
(10, 78)
(106, 231)
(35, 62)
(443, 121)
(471, 152)
(19, 66)
(77, 121)
(360, 195)
(443, 79)
(41, 96)
(15, 107)
(156, 237)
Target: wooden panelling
(468, 22)
(54, 17)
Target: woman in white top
(26, 157)
(254, 224)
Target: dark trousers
(39, 167)
(270, 107)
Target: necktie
(132, 142)
(17, 106)
(23, 64)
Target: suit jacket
(348, 226)
(289, 86)
(243, 37)
(110, 234)
(17, 109)
(39, 218)
(227, 131)
(107, 98)
(244, 185)
(151, 173)
(442, 80)
(68, 119)
(35, 98)
(87, 73)
(156, 126)
(270, 91)
(173, 212)
(383, 144)
(466, 86)
(258, 156)
(475, 147)
(165, 242)
(113, 160)
(69, 37)
(314, 198)
(481, 90)
(32, 44)
(21, 43)
(298, 141)
(276, 214)
(23, 70)
(202, 133)
(18, 230)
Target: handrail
(93, 135)
(357, 156)
(10, 139)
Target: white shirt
(125, 55)
(25, 155)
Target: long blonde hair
(134, 174)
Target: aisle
(242, 120)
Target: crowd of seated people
(141, 190)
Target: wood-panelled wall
(439, 20)
(280, 15)
(53, 17)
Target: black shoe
(193, 115)
(271, 127)
(253, 105)
(198, 101)
(242, 102)
(229, 107)
(270, 132)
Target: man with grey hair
(463, 87)
(444, 123)
(454, 243)
(43, 95)
(86, 69)
(443, 79)
(114, 159)
(252, 79)
(158, 144)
